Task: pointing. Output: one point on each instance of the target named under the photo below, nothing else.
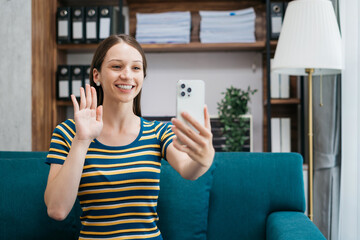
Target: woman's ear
(96, 75)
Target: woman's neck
(119, 117)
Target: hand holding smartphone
(190, 98)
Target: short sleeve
(166, 136)
(61, 142)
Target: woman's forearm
(63, 183)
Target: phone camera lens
(189, 90)
(183, 85)
(183, 94)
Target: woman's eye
(116, 66)
(137, 68)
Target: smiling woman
(99, 57)
(109, 157)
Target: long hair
(99, 57)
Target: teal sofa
(243, 196)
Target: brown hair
(99, 57)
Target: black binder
(86, 75)
(78, 25)
(63, 82)
(63, 25)
(277, 14)
(77, 79)
(91, 24)
(105, 19)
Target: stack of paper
(167, 27)
(227, 26)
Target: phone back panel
(191, 99)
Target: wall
(219, 70)
(15, 79)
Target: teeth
(126, 87)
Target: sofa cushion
(183, 205)
(23, 214)
(248, 187)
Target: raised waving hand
(88, 116)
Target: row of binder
(280, 135)
(69, 80)
(87, 24)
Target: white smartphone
(190, 98)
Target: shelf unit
(47, 54)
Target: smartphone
(190, 98)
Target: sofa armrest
(291, 225)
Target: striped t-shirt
(119, 186)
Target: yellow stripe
(56, 156)
(119, 199)
(69, 128)
(127, 237)
(125, 150)
(60, 142)
(121, 164)
(112, 223)
(118, 182)
(148, 137)
(123, 156)
(167, 135)
(64, 131)
(117, 206)
(120, 231)
(149, 131)
(118, 190)
(116, 172)
(119, 215)
(58, 150)
(163, 150)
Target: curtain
(327, 154)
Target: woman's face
(122, 74)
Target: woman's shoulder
(67, 127)
(155, 124)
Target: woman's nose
(125, 74)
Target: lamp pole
(310, 71)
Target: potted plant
(231, 109)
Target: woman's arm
(63, 180)
(195, 156)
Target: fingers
(88, 96)
(75, 103)
(203, 130)
(88, 100)
(94, 98)
(82, 99)
(182, 130)
(207, 118)
(99, 113)
(190, 142)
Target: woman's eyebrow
(119, 60)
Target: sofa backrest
(247, 187)
(23, 215)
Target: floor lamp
(309, 45)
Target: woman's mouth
(124, 87)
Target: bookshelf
(47, 111)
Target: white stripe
(142, 236)
(120, 188)
(138, 153)
(119, 205)
(121, 171)
(120, 221)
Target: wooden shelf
(63, 103)
(280, 101)
(190, 47)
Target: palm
(88, 117)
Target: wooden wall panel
(43, 72)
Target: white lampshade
(309, 38)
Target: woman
(112, 163)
